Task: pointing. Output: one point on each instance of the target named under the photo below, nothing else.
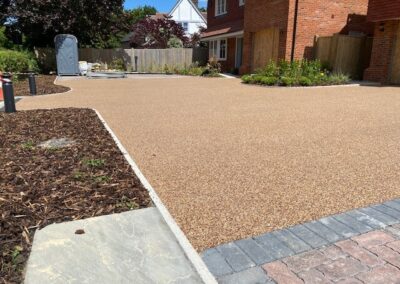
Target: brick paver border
(245, 261)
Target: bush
(288, 81)
(304, 81)
(247, 79)
(118, 64)
(303, 73)
(17, 61)
(269, 81)
(339, 79)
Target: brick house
(385, 59)
(250, 33)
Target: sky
(161, 5)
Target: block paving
(359, 246)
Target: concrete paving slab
(131, 247)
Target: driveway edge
(188, 249)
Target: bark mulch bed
(44, 85)
(41, 186)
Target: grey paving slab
(352, 223)
(255, 275)
(216, 263)
(394, 230)
(366, 219)
(308, 236)
(131, 247)
(384, 218)
(388, 211)
(255, 251)
(235, 257)
(338, 227)
(293, 242)
(393, 204)
(323, 231)
(274, 246)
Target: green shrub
(288, 81)
(118, 64)
(269, 81)
(17, 61)
(303, 72)
(246, 79)
(257, 79)
(4, 41)
(271, 70)
(304, 81)
(338, 79)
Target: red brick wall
(382, 51)
(235, 12)
(324, 18)
(381, 10)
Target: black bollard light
(32, 84)
(8, 93)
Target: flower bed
(82, 174)
(297, 73)
(44, 86)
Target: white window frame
(214, 49)
(220, 7)
(187, 26)
(241, 2)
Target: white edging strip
(227, 76)
(188, 249)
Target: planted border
(298, 73)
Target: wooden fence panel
(344, 54)
(148, 60)
(322, 50)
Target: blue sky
(161, 5)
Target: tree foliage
(139, 13)
(96, 23)
(157, 33)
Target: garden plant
(296, 73)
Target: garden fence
(140, 60)
(345, 54)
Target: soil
(40, 186)
(44, 86)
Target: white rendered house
(187, 14)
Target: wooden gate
(265, 47)
(395, 69)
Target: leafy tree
(4, 5)
(139, 13)
(96, 23)
(157, 33)
(202, 9)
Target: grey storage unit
(67, 55)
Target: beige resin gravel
(232, 161)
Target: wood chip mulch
(44, 86)
(41, 186)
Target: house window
(241, 2)
(220, 7)
(217, 49)
(185, 26)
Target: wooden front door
(265, 48)
(395, 68)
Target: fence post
(8, 93)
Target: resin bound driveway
(232, 161)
